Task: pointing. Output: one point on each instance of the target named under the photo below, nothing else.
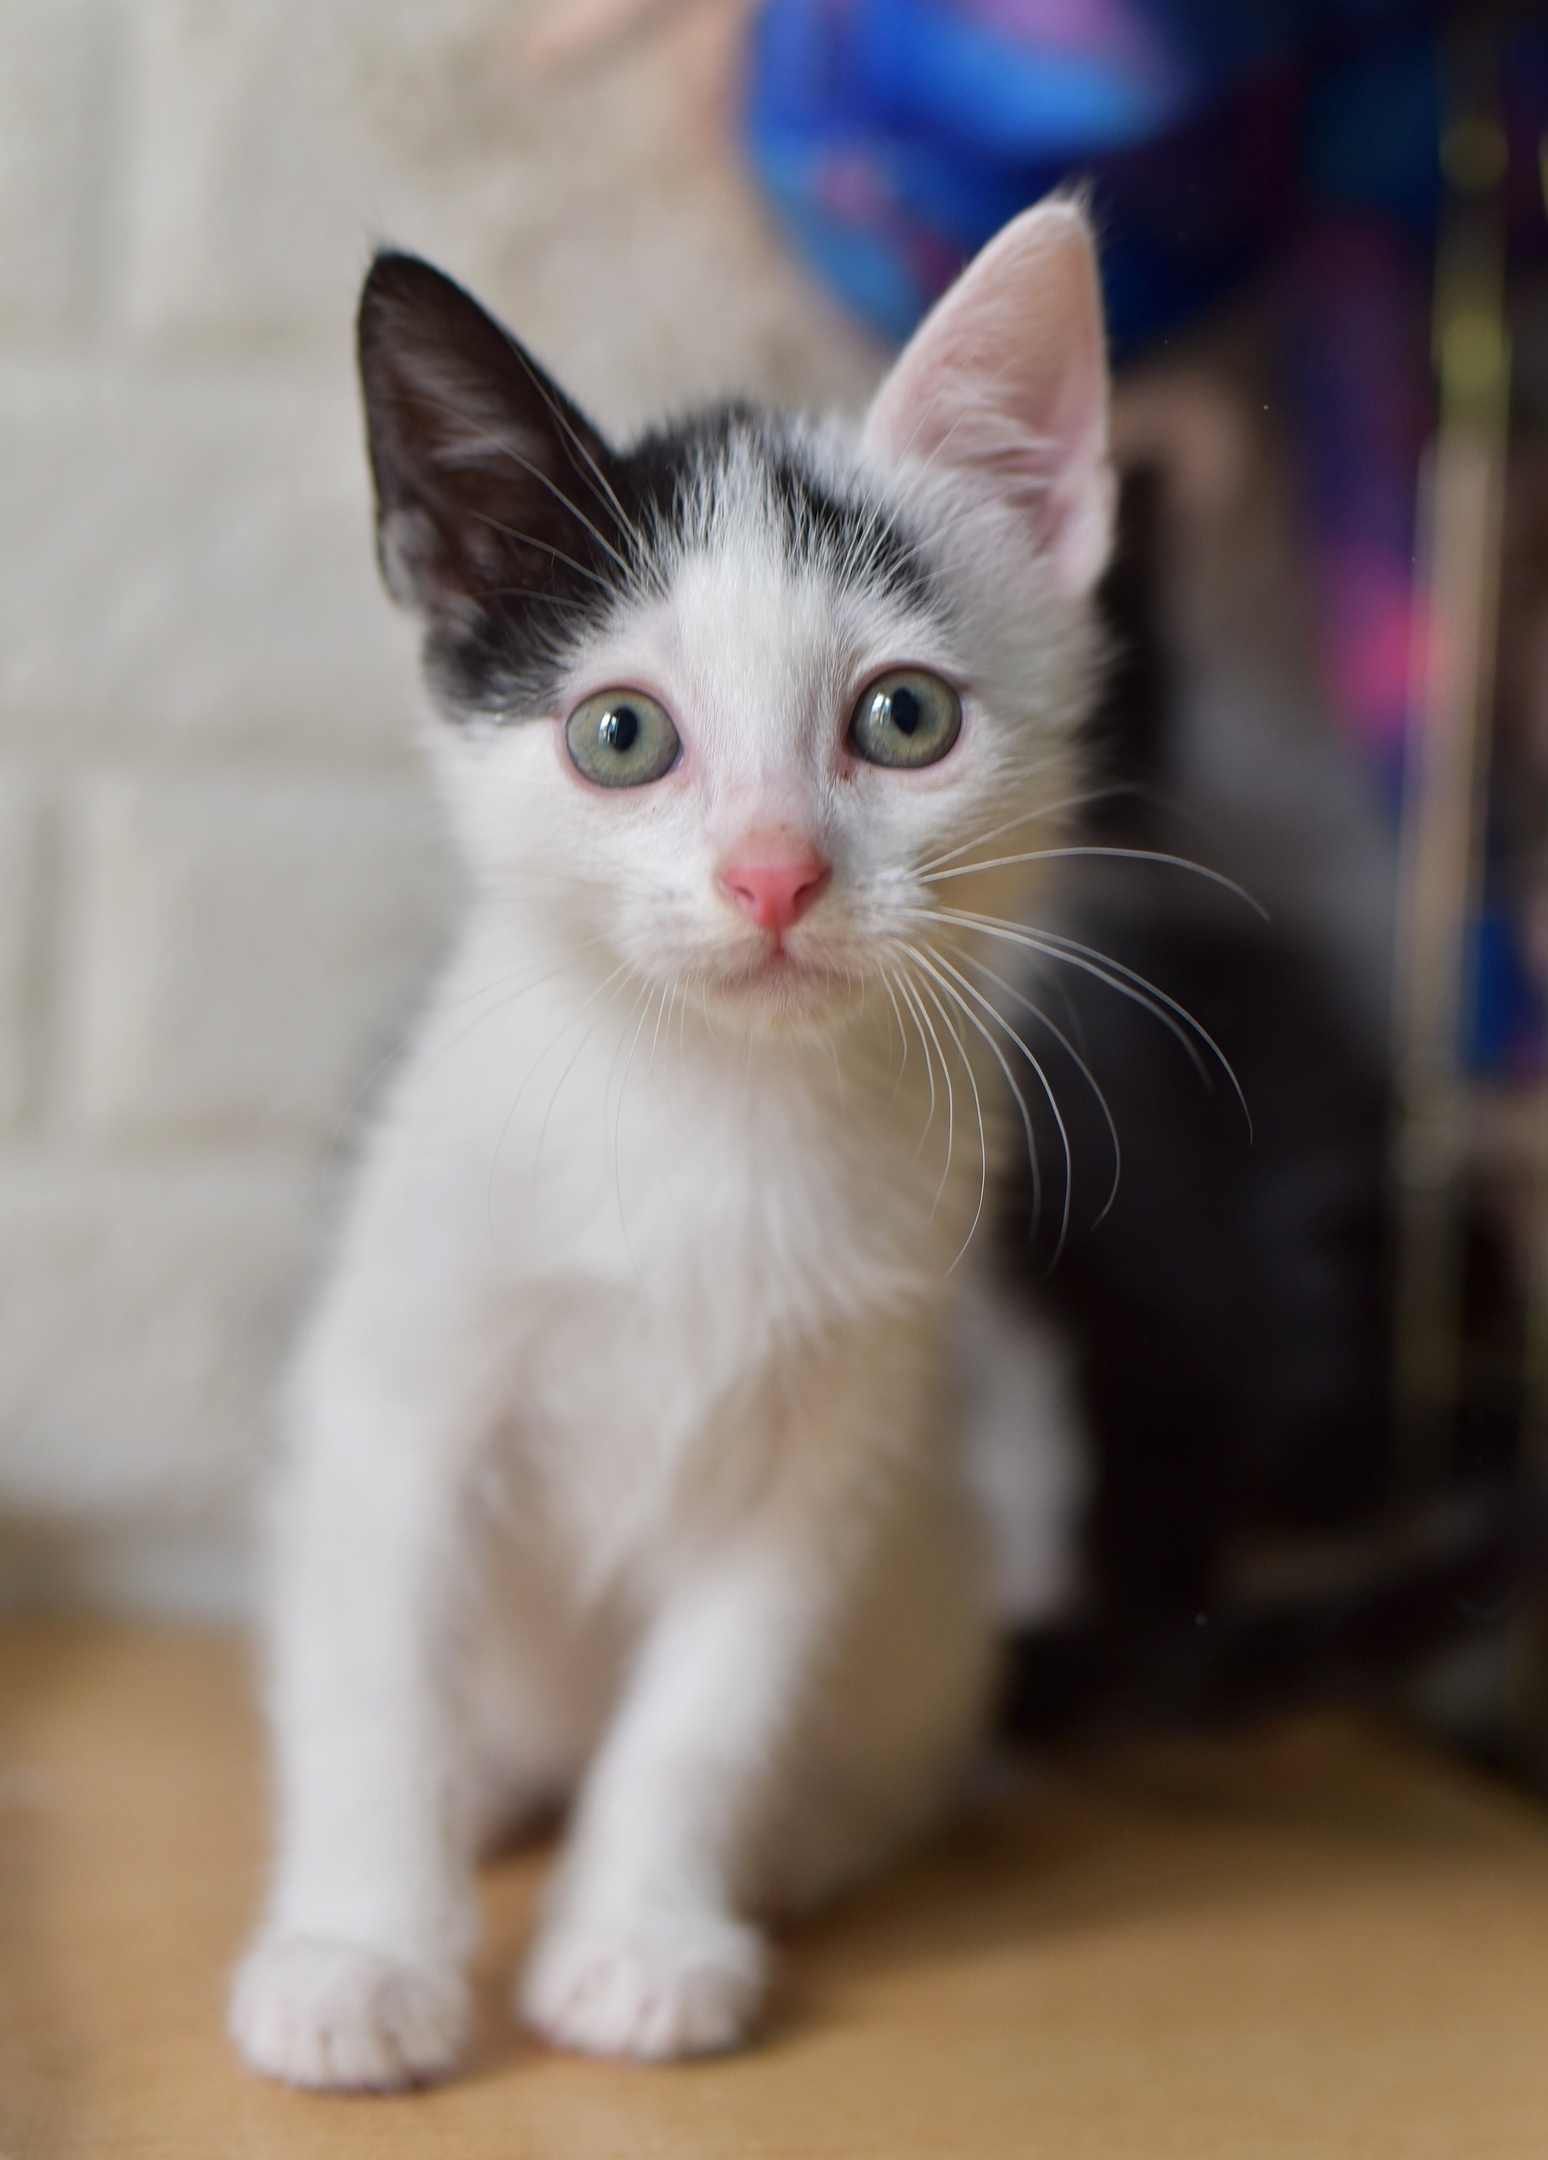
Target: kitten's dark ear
(490, 486)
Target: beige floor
(1318, 1943)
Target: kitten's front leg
(642, 1952)
(356, 1977)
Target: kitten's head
(726, 704)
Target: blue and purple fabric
(1294, 141)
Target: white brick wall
(185, 559)
(218, 882)
(56, 65)
(23, 906)
(144, 1303)
(238, 945)
(235, 207)
(239, 942)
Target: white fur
(618, 1473)
(1027, 1459)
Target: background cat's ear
(1006, 379)
(490, 485)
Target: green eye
(621, 738)
(909, 718)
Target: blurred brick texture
(221, 885)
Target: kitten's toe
(653, 1990)
(336, 2016)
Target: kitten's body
(619, 1467)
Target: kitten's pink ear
(1006, 379)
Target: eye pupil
(620, 729)
(903, 709)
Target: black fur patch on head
(515, 531)
(679, 474)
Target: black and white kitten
(620, 1469)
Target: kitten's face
(773, 865)
(727, 705)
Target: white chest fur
(650, 1239)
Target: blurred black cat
(1228, 1311)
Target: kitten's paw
(674, 1985)
(339, 2017)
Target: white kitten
(618, 1472)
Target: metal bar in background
(1461, 516)
(1536, 1394)
(1527, 1700)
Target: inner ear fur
(1006, 379)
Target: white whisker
(967, 1064)
(489, 439)
(500, 983)
(892, 997)
(668, 1000)
(648, 998)
(593, 470)
(1010, 1080)
(545, 547)
(1053, 1104)
(641, 1005)
(537, 1156)
(929, 1066)
(972, 960)
(927, 1030)
(1115, 975)
(1145, 855)
(1027, 817)
(554, 1040)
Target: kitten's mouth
(777, 965)
(778, 961)
(782, 978)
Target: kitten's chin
(780, 992)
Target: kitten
(619, 1473)
(1221, 1314)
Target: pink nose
(773, 881)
